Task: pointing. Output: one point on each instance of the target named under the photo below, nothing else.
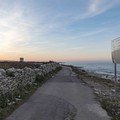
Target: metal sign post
(115, 65)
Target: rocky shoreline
(104, 90)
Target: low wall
(12, 78)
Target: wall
(12, 78)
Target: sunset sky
(59, 30)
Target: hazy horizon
(67, 61)
(64, 30)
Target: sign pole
(115, 78)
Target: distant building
(21, 60)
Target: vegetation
(112, 106)
(10, 101)
(110, 103)
(9, 64)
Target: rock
(83, 71)
(2, 72)
(11, 72)
(68, 118)
(113, 90)
(97, 91)
(19, 70)
(40, 73)
(17, 99)
(28, 70)
(36, 70)
(104, 94)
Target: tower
(21, 60)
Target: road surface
(61, 98)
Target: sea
(103, 69)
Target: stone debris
(113, 90)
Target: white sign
(116, 50)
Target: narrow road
(61, 98)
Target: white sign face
(116, 50)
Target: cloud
(60, 20)
(21, 32)
(12, 27)
(93, 32)
(96, 7)
(80, 35)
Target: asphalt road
(61, 98)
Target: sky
(58, 30)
